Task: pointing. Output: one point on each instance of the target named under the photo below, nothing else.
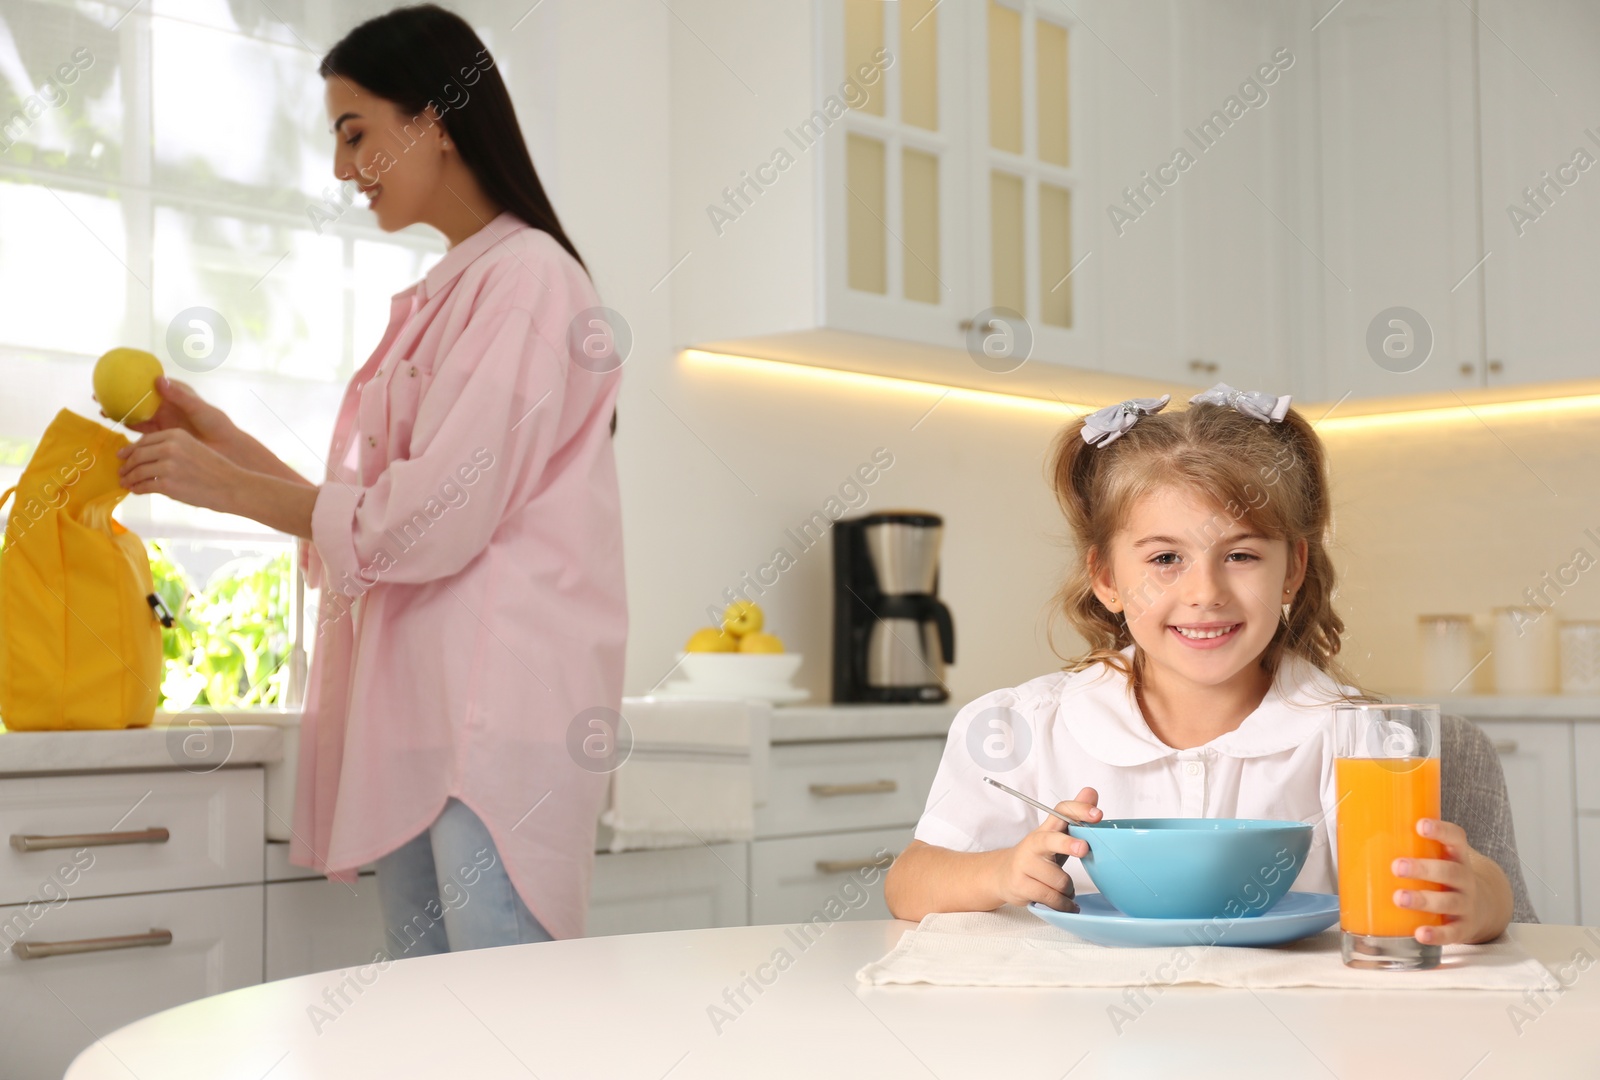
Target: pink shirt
(468, 544)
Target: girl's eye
(353, 139)
(1169, 558)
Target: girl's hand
(184, 410)
(1032, 869)
(1463, 901)
(174, 463)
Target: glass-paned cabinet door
(894, 245)
(1025, 175)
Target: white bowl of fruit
(737, 659)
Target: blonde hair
(1271, 476)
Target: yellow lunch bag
(80, 622)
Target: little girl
(1205, 592)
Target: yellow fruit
(125, 385)
(762, 643)
(710, 639)
(742, 617)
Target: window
(169, 158)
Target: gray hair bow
(1252, 403)
(1105, 426)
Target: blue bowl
(1193, 868)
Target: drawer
(863, 784)
(56, 1005)
(213, 822)
(1586, 760)
(827, 878)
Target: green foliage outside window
(229, 643)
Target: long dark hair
(424, 55)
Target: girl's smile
(1211, 635)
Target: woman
(467, 535)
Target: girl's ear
(1299, 564)
(1101, 581)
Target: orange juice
(1379, 804)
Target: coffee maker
(892, 637)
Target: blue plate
(1297, 915)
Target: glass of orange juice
(1387, 771)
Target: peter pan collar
(1104, 717)
(458, 258)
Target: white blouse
(1059, 733)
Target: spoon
(1031, 801)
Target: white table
(613, 1008)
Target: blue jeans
(446, 890)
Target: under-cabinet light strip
(1069, 410)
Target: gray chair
(1473, 795)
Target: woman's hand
(1032, 869)
(1471, 906)
(174, 463)
(184, 410)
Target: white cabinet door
(638, 892)
(320, 925)
(1133, 126)
(1540, 95)
(1244, 108)
(1400, 200)
(1537, 760)
(1589, 867)
(56, 1006)
(823, 879)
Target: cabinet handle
(1468, 369)
(870, 787)
(96, 839)
(1505, 746)
(38, 950)
(1496, 367)
(1207, 366)
(845, 866)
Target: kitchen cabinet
(833, 876)
(1589, 868)
(197, 942)
(1332, 212)
(639, 892)
(1539, 88)
(1537, 758)
(169, 862)
(320, 925)
(1398, 106)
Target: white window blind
(167, 158)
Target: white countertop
(829, 723)
(1517, 707)
(169, 743)
(640, 1005)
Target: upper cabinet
(1539, 94)
(1401, 285)
(1361, 200)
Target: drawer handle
(870, 787)
(38, 950)
(1505, 746)
(845, 866)
(96, 839)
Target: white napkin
(1011, 947)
